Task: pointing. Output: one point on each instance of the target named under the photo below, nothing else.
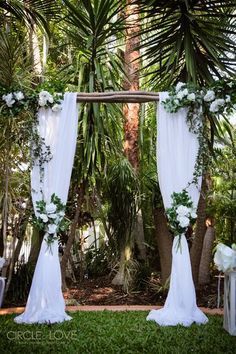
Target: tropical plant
(188, 40)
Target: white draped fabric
(59, 129)
(176, 155)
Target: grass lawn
(114, 332)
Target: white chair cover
(176, 155)
(59, 129)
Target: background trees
(97, 45)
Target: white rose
(53, 216)
(227, 98)
(51, 208)
(43, 217)
(57, 107)
(179, 86)
(42, 102)
(19, 95)
(191, 97)
(9, 99)
(52, 228)
(225, 257)
(182, 210)
(44, 95)
(182, 94)
(2, 262)
(233, 246)
(61, 213)
(176, 101)
(50, 98)
(183, 221)
(193, 215)
(209, 96)
(215, 105)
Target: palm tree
(93, 27)
(192, 41)
(188, 40)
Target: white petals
(43, 217)
(42, 102)
(182, 210)
(9, 99)
(53, 216)
(225, 258)
(19, 95)
(183, 221)
(52, 228)
(179, 86)
(215, 105)
(44, 98)
(51, 208)
(57, 107)
(209, 96)
(227, 98)
(182, 94)
(191, 97)
(193, 215)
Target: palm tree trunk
(65, 257)
(206, 258)
(196, 249)
(36, 240)
(35, 52)
(164, 243)
(125, 256)
(131, 83)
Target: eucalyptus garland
(16, 104)
(21, 109)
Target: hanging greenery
(206, 107)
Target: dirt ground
(100, 291)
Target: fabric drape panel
(45, 303)
(177, 150)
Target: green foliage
(28, 12)
(20, 284)
(115, 332)
(122, 191)
(90, 26)
(98, 261)
(51, 217)
(174, 214)
(191, 41)
(222, 198)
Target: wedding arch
(177, 153)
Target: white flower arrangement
(225, 257)
(202, 103)
(46, 99)
(183, 95)
(51, 218)
(12, 97)
(181, 215)
(43, 99)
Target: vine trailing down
(218, 100)
(50, 215)
(208, 104)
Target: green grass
(114, 332)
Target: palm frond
(188, 40)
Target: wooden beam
(118, 97)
